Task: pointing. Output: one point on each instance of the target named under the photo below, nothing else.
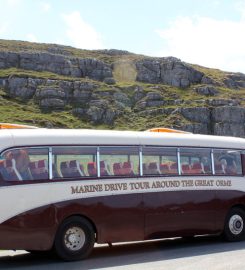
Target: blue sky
(205, 32)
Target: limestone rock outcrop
(169, 70)
(114, 87)
(56, 63)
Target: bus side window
(159, 161)
(14, 166)
(38, 164)
(227, 162)
(119, 161)
(74, 162)
(195, 161)
(25, 164)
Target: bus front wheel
(74, 239)
(235, 225)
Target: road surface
(173, 254)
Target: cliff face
(49, 84)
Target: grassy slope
(29, 113)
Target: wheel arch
(238, 205)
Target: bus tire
(234, 229)
(74, 239)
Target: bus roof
(37, 137)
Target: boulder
(155, 103)
(148, 70)
(2, 82)
(56, 63)
(52, 103)
(222, 102)
(43, 61)
(83, 91)
(138, 93)
(81, 96)
(9, 59)
(156, 111)
(122, 98)
(110, 81)
(109, 116)
(141, 105)
(209, 80)
(235, 80)
(114, 52)
(196, 128)
(94, 69)
(23, 88)
(80, 112)
(207, 90)
(86, 86)
(59, 49)
(99, 103)
(101, 115)
(169, 71)
(228, 114)
(196, 114)
(179, 74)
(95, 114)
(153, 96)
(50, 92)
(229, 129)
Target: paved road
(203, 253)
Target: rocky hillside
(59, 86)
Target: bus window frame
(229, 149)
(87, 177)
(196, 148)
(160, 156)
(124, 176)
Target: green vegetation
(5, 73)
(14, 111)
(18, 111)
(103, 55)
(215, 74)
(131, 115)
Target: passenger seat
(153, 168)
(39, 169)
(10, 172)
(92, 171)
(127, 168)
(164, 168)
(104, 168)
(197, 168)
(186, 169)
(117, 168)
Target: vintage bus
(65, 190)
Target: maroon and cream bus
(68, 189)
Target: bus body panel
(180, 213)
(120, 218)
(32, 211)
(116, 219)
(31, 230)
